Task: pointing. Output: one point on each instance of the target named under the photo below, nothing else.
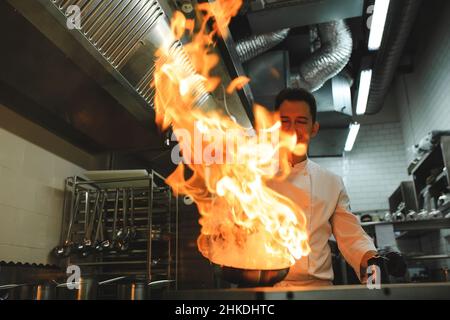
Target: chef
(322, 197)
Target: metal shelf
(431, 224)
(429, 257)
(154, 210)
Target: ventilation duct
(333, 55)
(256, 45)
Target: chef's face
(296, 117)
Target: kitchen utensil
(411, 216)
(122, 241)
(401, 206)
(80, 246)
(99, 229)
(250, 278)
(132, 290)
(366, 218)
(435, 214)
(443, 200)
(65, 249)
(388, 217)
(104, 242)
(422, 215)
(131, 231)
(399, 216)
(112, 243)
(88, 244)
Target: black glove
(396, 264)
(377, 270)
(390, 263)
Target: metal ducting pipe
(327, 61)
(399, 22)
(255, 45)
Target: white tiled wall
(374, 168)
(31, 196)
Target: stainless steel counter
(427, 291)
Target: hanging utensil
(131, 232)
(99, 230)
(112, 243)
(80, 246)
(64, 250)
(87, 241)
(122, 240)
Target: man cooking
(322, 197)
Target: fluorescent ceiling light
(363, 91)
(377, 26)
(354, 128)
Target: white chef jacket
(322, 196)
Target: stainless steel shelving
(152, 253)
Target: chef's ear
(315, 129)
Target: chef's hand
(365, 263)
(388, 263)
(365, 259)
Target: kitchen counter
(410, 291)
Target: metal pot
(250, 278)
(132, 291)
(44, 291)
(87, 290)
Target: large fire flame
(245, 223)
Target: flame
(237, 83)
(245, 223)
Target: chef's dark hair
(297, 94)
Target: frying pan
(246, 278)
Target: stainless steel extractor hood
(93, 81)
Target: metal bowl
(246, 278)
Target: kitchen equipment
(399, 216)
(112, 243)
(99, 230)
(366, 218)
(80, 246)
(131, 231)
(388, 217)
(119, 174)
(401, 206)
(444, 199)
(125, 211)
(435, 214)
(31, 291)
(88, 289)
(422, 215)
(64, 250)
(104, 242)
(411, 216)
(250, 278)
(122, 240)
(88, 244)
(45, 291)
(132, 290)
